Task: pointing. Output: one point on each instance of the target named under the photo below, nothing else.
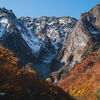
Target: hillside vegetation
(83, 83)
(23, 83)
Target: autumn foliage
(83, 83)
(23, 83)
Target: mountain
(84, 39)
(63, 49)
(50, 44)
(36, 41)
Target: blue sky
(59, 8)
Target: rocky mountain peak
(96, 14)
(7, 13)
(96, 9)
(92, 16)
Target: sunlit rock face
(84, 38)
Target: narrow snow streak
(3, 22)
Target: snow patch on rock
(33, 42)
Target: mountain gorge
(50, 44)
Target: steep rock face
(84, 39)
(35, 40)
